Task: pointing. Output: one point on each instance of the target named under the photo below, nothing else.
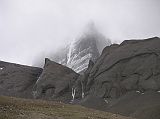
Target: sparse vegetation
(16, 108)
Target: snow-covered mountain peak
(87, 47)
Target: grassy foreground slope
(16, 108)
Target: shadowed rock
(80, 84)
(55, 81)
(17, 80)
(132, 66)
(141, 106)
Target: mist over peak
(81, 50)
(36, 28)
(101, 54)
(89, 36)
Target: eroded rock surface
(56, 81)
(132, 66)
(17, 80)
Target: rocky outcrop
(55, 82)
(17, 80)
(125, 79)
(132, 66)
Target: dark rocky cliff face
(133, 65)
(125, 79)
(55, 82)
(131, 69)
(17, 80)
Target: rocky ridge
(125, 79)
(17, 80)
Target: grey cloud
(35, 28)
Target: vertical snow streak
(37, 80)
(70, 52)
(73, 93)
(82, 90)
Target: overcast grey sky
(33, 28)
